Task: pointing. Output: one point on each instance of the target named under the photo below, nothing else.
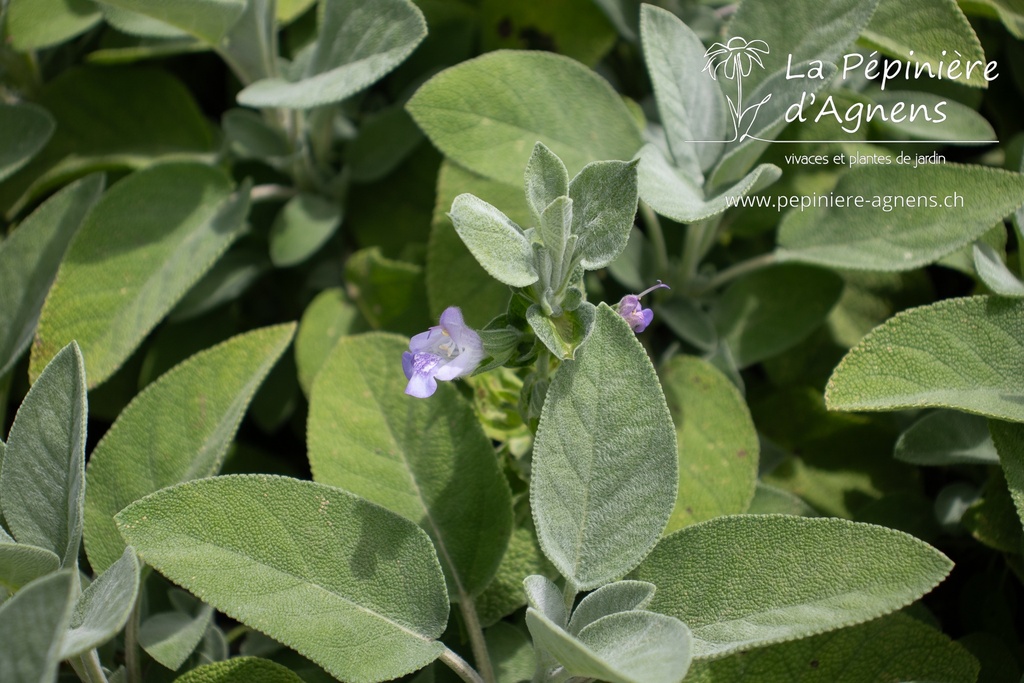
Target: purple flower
(443, 352)
(637, 317)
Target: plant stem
(476, 638)
(738, 269)
(132, 665)
(655, 233)
(269, 192)
(460, 667)
(90, 667)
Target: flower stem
(657, 236)
(738, 269)
(460, 667)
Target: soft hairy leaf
(302, 227)
(1009, 442)
(626, 647)
(504, 594)
(565, 333)
(546, 180)
(31, 626)
(103, 608)
(251, 136)
(147, 240)
(611, 598)
(751, 580)
(358, 44)
(544, 597)
(488, 113)
(350, 585)
(960, 122)
(328, 318)
(902, 224)
(511, 653)
(29, 259)
(24, 130)
(497, 243)
(171, 637)
(426, 460)
(604, 195)
(994, 273)
(717, 442)
(766, 312)
(894, 648)
(21, 563)
(769, 500)
(957, 353)
(34, 24)
(604, 464)
(177, 429)
(932, 30)
(42, 484)
(208, 20)
(240, 670)
(947, 437)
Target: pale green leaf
(170, 637)
(1010, 12)
(604, 196)
(959, 122)
(947, 437)
(769, 500)
(994, 273)
(136, 24)
(497, 243)
(21, 563)
(611, 598)
(29, 259)
(488, 113)
(31, 625)
(563, 335)
(750, 580)
(350, 585)
(554, 229)
(894, 648)
(626, 647)
(177, 429)
(717, 442)
(546, 180)
(1009, 442)
(358, 44)
(240, 670)
(147, 240)
(957, 353)
(329, 317)
(511, 653)
(24, 130)
(103, 608)
(768, 311)
(251, 136)
(427, 460)
(42, 485)
(35, 24)
(208, 20)
(301, 228)
(250, 46)
(902, 224)
(934, 30)
(604, 464)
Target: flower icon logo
(736, 60)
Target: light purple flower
(443, 352)
(637, 317)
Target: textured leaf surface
(354, 587)
(496, 242)
(171, 637)
(717, 442)
(611, 598)
(604, 197)
(241, 670)
(1009, 442)
(328, 318)
(177, 429)
(24, 130)
(21, 563)
(43, 480)
(35, 24)
(604, 464)
(947, 437)
(147, 240)
(750, 580)
(29, 259)
(31, 625)
(358, 44)
(302, 227)
(504, 594)
(103, 608)
(487, 113)
(427, 460)
(989, 266)
(894, 648)
(958, 353)
(208, 20)
(888, 233)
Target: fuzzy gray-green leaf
(103, 608)
(604, 196)
(497, 243)
(31, 626)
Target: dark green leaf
(24, 130)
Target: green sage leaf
(604, 464)
(604, 195)
(24, 130)
(171, 637)
(31, 626)
(947, 437)
(35, 24)
(208, 20)
(546, 180)
(240, 670)
(147, 240)
(1009, 442)
(329, 317)
(957, 353)
(611, 598)
(766, 579)
(497, 243)
(301, 228)
(564, 334)
(426, 460)
(42, 484)
(182, 424)
(994, 273)
(350, 585)
(21, 563)
(103, 608)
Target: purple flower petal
(443, 352)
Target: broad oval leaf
(750, 580)
(488, 113)
(960, 122)
(208, 20)
(103, 608)
(24, 130)
(241, 670)
(947, 437)
(328, 317)
(21, 563)
(497, 243)
(42, 484)
(544, 597)
(903, 224)
(718, 445)
(35, 24)
(31, 626)
(346, 583)
(604, 195)
(302, 227)
(171, 637)
(427, 460)
(611, 598)
(358, 44)
(177, 429)
(147, 240)
(604, 464)
(29, 259)
(958, 353)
